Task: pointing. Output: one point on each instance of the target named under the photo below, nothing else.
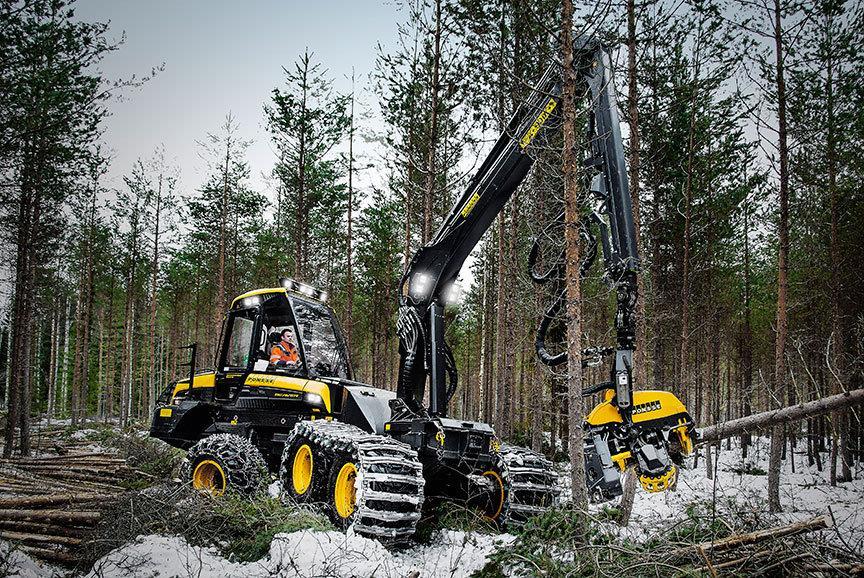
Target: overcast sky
(222, 56)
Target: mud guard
(367, 407)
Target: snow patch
(305, 553)
(83, 434)
(152, 556)
(16, 564)
(804, 494)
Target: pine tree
(307, 119)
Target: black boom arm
(434, 268)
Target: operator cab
(280, 331)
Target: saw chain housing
(653, 438)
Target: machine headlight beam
(304, 289)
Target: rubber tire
(319, 471)
(329, 499)
(244, 466)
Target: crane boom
(434, 267)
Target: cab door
(235, 358)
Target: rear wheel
(222, 463)
(529, 483)
(301, 470)
(495, 495)
(342, 490)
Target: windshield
(321, 341)
(277, 344)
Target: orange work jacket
(284, 352)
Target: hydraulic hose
(554, 310)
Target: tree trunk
(429, 189)
(747, 345)
(129, 328)
(572, 206)
(219, 304)
(349, 273)
(148, 402)
(683, 373)
(779, 417)
(782, 269)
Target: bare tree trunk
(349, 281)
(836, 316)
(572, 206)
(61, 393)
(219, 304)
(100, 376)
(683, 373)
(128, 331)
(148, 401)
(782, 273)
(747, 345)
(55, 355)
(112, 362)
(627, 498)
(778, 417)
(539, 378)
(18, 327)
(431, 174)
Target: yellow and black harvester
(373, 457)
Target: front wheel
(224, 462)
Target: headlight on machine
(313, 399)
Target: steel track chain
(389, 480)
(531, 483)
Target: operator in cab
(284, 353)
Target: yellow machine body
(648, 406)
(291, 385)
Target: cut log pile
(49, 504)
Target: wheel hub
(345, 492)
(208, 476)
(301, 474)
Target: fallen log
(42, 528)
(77, 482)
(31, 480)
(73, 475)
(49, 554)
(737, 562)
(28, 538)
(756, 537)
(62, 461)
(768, 419)
(50, 500)
(52, 515)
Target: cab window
(322, 344)
(240, 339)
(278, 348)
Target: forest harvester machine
(374, 457)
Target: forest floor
(162, 530)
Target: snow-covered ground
(804, 494)
(304, 553)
